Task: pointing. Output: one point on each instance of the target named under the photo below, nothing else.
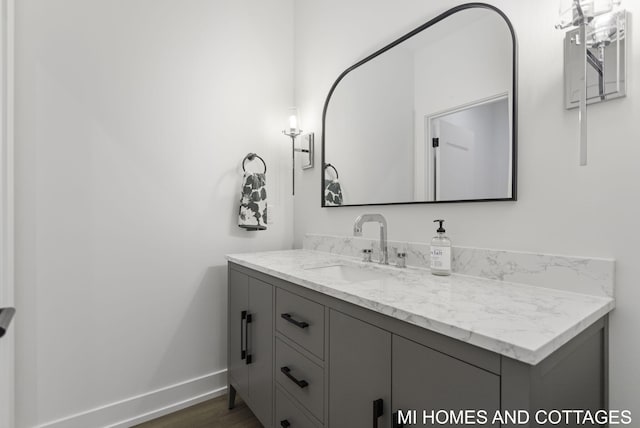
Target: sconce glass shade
(292, 125)
(604, 6)
(604, 30)
(572, 11)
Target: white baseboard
(144, 407)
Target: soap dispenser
(440, 252)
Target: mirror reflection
(428, 120)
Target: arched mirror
(429, 118)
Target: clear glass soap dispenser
(440, 252)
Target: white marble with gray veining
(523, 322)
(577, 274)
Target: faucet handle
(401, 257)
(366, 254)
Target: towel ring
(252, 156)
(328, 165)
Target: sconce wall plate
(606, 69)
(307, 148)
(595, 57)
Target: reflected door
(454, 163)
(470, 152)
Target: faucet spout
(378, 218)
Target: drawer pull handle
(243, 350)
(285, 424)
(377, 411)
(287, 372)
(249, 358)
(300, 324)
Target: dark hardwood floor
(209, 414)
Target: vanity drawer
(301, 320)
(300, 377)
(290, 415)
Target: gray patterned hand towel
(253, 202)
(332, 192)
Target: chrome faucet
(366, 218)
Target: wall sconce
(292, 130)
(594, 56)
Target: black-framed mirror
(431, 117)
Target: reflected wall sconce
(292, 130)
(594, 56)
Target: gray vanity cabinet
(332, 364)
(359, 373)
(430, 381)
(250, 339)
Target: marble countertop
(523, 322)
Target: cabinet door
(427, 380)
(238, 305)
(260, 350)
(359, 373)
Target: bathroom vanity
(321, 340)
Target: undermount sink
(349, 273)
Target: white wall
(132, 120)
(562, 208)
